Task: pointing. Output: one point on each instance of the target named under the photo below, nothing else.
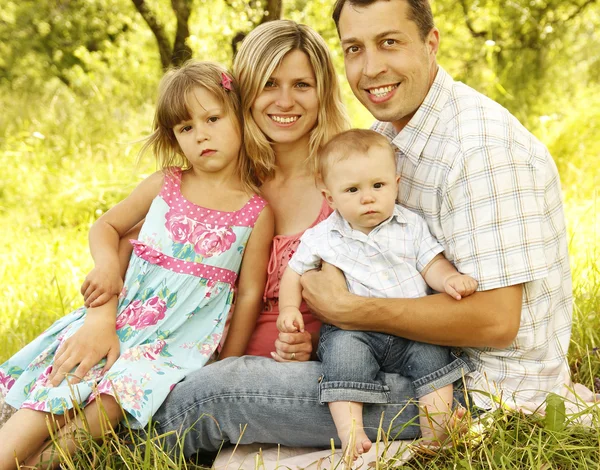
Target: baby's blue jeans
(352, 359)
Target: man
(489, 192)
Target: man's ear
(327, 195)
(433, 42)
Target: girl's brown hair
(172, 108)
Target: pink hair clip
(226, 81)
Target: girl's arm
(251, 286)
(96, 339)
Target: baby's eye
(353, 189)
(378, 185)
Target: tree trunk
(164, 47)
(181, 51)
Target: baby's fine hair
(348, 144)
(172, 107)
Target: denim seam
(364, 392)
(441, 377)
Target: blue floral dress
(177, 295)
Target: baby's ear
(327, 195)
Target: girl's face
(210, 140)
(286, 110)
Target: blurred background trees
(78, 82)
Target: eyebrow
(380, 36)
(298, 79)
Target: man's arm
(485, 319)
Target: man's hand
(326, 294)
(100, 285)
(293, 347)
(460, 285)
(95, 340)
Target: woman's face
(286, 109)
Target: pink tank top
(265, 333)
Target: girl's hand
(95, 340)
(100, 285)
(293, 347)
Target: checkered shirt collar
(341, 225)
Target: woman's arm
(251, 286)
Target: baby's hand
(290, 320)
(100, 286)
(460, 285)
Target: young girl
(202, 222)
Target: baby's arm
(441, 276)
(96, 339)
(251, 286)
(290, 297)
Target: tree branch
(164, 47)
(469, 23)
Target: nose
(374, 63)
(284, 99)
(201, 134)
(367, 198)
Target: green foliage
(77, 85)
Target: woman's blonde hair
(172, 108)
(259, 55)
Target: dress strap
(247, 215)
(171, 188)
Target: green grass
(67, 160)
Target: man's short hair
(419, 11)
(348, 144)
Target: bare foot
(355, 443)
(435, 434)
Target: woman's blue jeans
(257, 400)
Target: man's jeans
(257, 400)
(352, 359)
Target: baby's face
(363, 188)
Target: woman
(291, 104)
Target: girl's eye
(185, 128)
(213, 119)
(270, 84)
(351, 190)
(378, 185)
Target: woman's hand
(100, 285)
(95, 340)
(293, 347)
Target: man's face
(389, 67)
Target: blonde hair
(172, 108)
(348, 144)
(259, 55)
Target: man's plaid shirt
(490, 193)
